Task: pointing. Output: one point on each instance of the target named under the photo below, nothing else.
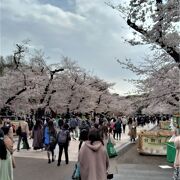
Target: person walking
(50, 135)
(84, 130)
(73, 126)
(112, 126)
(8, 123)
(124, 123)
(130, 120)
(37, 135)
(118, 128)
(93, 158)
(133, 131)
(60, 123)
(63, 139)
(6, 165)
(30, 125)
(8, 142)
(24, 134)
(107, 135)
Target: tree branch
(48, 84)
(17, 55)
(17, 94)
(170, 50)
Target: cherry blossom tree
(82, 92)
(155, 22)
(158, 83)
(30, 85)
(25, 83)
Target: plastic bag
(110, 149)
(76, 173)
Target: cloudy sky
(88, 32)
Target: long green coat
(6, 168)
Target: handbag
(110, 176)
(110, 149)
(76, 173)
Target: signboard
(176, 120)
(153, 142)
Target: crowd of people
(93, 135)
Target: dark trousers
(118, 135)
(114, 133)
(80, 144)
(23, 137)
(65, 147)
(124, 128)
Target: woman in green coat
(6, 168)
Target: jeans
(124, 128)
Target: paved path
(39, 169)
(32, 165)
(142, 172)
(133, 166)
(73, 147)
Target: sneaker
(58, 164)
(49, 161)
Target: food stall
(153, 142)
(176, 121)
(165, 125)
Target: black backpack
(84, 134)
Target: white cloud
(52, 15)
(91, 34)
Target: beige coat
(133, 131)
(94, 161)
(9, 143)
(177, 145)
(10, 133)
(24, 127)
